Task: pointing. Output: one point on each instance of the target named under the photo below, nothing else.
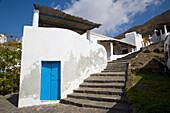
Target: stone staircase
(104, 90)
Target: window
(125, 51)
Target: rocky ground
(8, 104)
(150, 58)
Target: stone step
(103, 85)
(116, 67)
(118, 61)
(106, 91)
(114, 70)
(99, 97)
(95, 104)
(109, 74)
(105, 79)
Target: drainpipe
(35, 18)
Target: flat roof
(49, 17)
(109, 39)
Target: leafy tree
(10, 60)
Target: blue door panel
(50, 81)
(56, 70)
(53, 90)
(45, 84)
(58, 89)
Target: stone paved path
(8, 104)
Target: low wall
(78, 58)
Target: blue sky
(116, 16)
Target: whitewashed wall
(116, 48)
(167, 49)
(3, 38)
(134, 39)
(79, 58)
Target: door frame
(61, 78)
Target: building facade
(56, 60)
(3, 38)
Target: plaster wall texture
(3, 38)
(78, 58)
(167, 50)
(94, 37)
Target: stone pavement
(8, 104)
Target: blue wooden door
(50, 81)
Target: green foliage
(10, 60)
(136, 78)
(154, 100)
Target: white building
(167, 51)
(115, 48)
(56, 60)
(3, 38)
(134, 39)
(160, 32)
(59, 52)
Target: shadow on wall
(13, 99)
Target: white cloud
(110, 13)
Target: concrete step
(118, 61)
(105, 79)
(116, 67)
(95, 104)
(99, 97)
(115, 70)
(106, 91)
(103, 85)
(109, 74)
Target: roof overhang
(118, 42)
(49, 17)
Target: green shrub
(10, 62)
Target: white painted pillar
(111, 50)
(35, 18)
(165, 29)
(88, 34)
(161, 34)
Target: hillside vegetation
(150, 90)
(10, 60)
(149, 55)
